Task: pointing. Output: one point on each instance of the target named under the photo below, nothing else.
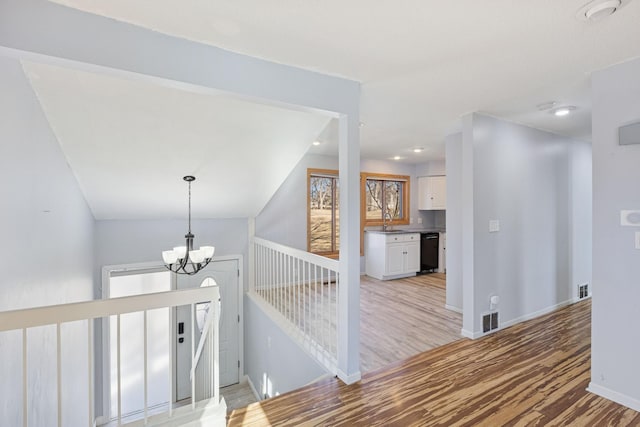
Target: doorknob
(180, 328)
(181, 340)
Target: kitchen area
(398, 251)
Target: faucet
(385, 226)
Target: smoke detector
(599, 9)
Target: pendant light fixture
(185, 259)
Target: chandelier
(185, 259)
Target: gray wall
(616, 268)
(47, 232)
(526, 179)
(274, 362)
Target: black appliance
(429, 248)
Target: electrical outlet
(411, 220)
(419, 220)
(494, 226)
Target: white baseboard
(453, 308)
(614, 396)
(253, 388)
(547, 310)
(535, 314)
(349, 379)
(469, 334)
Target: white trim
(349, 379)
(614, 396)
(320, 261)
(159, 266)
(471, 335)
(535, 314)
(453, 308)
(253, 388)
(530, 316)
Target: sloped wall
(47, 247)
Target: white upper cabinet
(432, 193)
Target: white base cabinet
(391, 256)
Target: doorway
(127, 280)
(224, 274)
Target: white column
(349, 291)
(251, 253)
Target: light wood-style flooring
(531, 374)
(404, 317)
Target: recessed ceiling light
(599, 9)
(546, 105)
(361, 124)
(418, 150)
(396, 157)
(316, 143)
(562, 111)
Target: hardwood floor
(532, 374)
(404, 317)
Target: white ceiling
(130, 143)
(423, 63)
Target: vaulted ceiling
(422, 65)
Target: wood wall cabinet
(392, 256)
(432, 193)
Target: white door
(225, 274)
(413, 256)
(395, 259)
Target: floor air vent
(583, 291)
(489, 322)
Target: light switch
(637, 239)
(631, 218)
(411, 220)
(494, 226)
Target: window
(379, 193)
(384, 195)
(323, 231)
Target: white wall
(134, 241)
(526, 179)
(275, 363)
(453, 147)
(284, 218)
(616, 263)
(47, 234)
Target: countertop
(408, 231)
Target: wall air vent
(583, 291)
(489, 321)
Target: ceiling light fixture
(184, 259)
(562, 111)
(316, 143)
(418, 150)
(599, 9)
(396, 157)
(546, 105)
